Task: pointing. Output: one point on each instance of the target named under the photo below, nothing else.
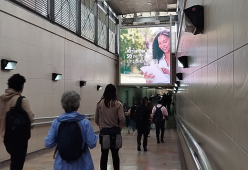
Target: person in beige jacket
(111, 117)
(8, 100)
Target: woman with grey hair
(67, 131)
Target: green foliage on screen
(133, 38)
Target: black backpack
(17, 124)
(69, 141)
(133, 112)
(158, 116)
(141, 117)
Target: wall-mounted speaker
(82, 83)
(56, 76)
(179, 76)
(194, 19)
(184, 61)
(8, 64)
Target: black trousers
(160, 126)
(17, 153)
(115, 157)
(127, 120)
(168, 107)
(143, 131)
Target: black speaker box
(194, 19)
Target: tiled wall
(212, 99)
(42, 48)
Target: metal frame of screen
(145, 84)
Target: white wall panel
(42, 48)
(212, 31)
(240, 97)
(240, 24)
(214, 105)
(225, 26)
(226, 111)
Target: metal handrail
(40, 118)
(199, 157)
(88, 116)
(41, 123)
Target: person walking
(150, 107)
(132, 113)
(17, 148)
(127, 118)
(168, 103)
(159, 114)
(142, 119)
(73, 135)
(109, 116)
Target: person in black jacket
(150, 107)
(132, 113)
(127, 119)
(142, 119)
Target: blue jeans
(132, 125)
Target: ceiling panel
(123, 7)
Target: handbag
(110, 138)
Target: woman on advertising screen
(161, 60)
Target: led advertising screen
(145, 56)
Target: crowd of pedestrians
(71, 133)
(142, 116)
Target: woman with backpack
(109, 116)
(73, 135)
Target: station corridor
(163, 156)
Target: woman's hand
(165, 71)
(149, 77)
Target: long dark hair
(109, 95)
(157, 52)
